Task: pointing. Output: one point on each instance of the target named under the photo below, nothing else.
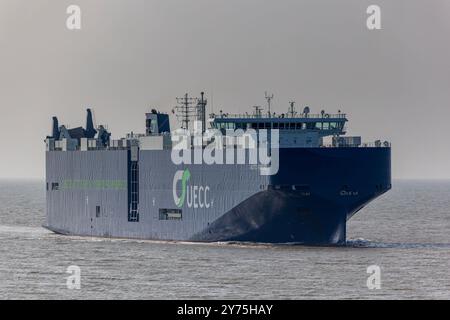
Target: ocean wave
(365, 243)
(38, 231)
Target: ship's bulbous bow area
(274, 216)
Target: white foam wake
(36, 231)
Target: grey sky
(133, 55)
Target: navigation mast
(269, 98)
(185, 110)
(201, 111)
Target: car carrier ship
(133, 188)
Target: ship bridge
(296, 129)
(325, 124)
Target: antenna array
(185, 110)
(189, 108)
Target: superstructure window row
(278, 125)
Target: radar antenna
(269, 98)
(257, 112)
(292, 111)
(306, 111)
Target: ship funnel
(90, 131)
(55, 130)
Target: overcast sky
(134, 55)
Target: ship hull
(308, 201)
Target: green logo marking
(184, 176)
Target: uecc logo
(195, 196)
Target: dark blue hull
(310, 199)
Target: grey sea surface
(406, 233)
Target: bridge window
(292, 126)
(254, 125)
(262, 125)
(298, 126)
(276, 125)
(311, 125)
(149, 126)
(281, 126)
(227, 125)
